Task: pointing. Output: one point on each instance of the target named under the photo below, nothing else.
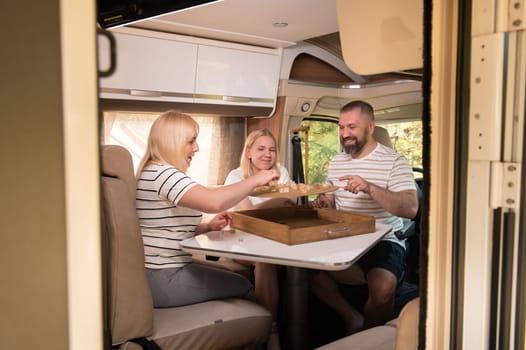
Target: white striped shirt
(382, 167)
(163, 223)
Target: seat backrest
(408, 326)
(382, 135)
(130, 307)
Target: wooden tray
(285, 192)
(295, 225)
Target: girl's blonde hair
(168, 136)
(245, 162)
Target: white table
(332, 254)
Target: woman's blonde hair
(168, 136)
(245, 162)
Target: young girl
(260, 154)
(170, 205)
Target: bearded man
(374, 180)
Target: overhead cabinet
(161, 69)
(236, 75)
(149, 68)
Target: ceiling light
(280, 24)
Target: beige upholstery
(398, 334)
(218, 324)
(381, 135)
(221, 324)
(407, 333)
(117, 163)
(131, 308)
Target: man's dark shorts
(386, 255)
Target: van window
(220, 142)
(321, 145)
(407, 140)
(323, 142)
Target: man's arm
(403, 203)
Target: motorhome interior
(233, 87)
(446, 79)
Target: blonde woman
(260, 154)
(170, 206)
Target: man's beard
(355, 148)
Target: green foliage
(324, 143)
(407, 140)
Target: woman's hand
(220, 221)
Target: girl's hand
(263, 177)
(220, 221)
(323, 201)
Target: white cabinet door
(237, 75)
(160, 66)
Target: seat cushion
(217, 324)
(377, 338)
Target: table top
(330, 254)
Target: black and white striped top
(163, 223)
(382, 167)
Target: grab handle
(113, 57)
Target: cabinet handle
(236, 99)
(113, 57)
(345, 229)
(146, 93)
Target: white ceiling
(250, 21)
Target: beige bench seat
(398, 334)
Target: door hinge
(516, 15)
(505, 185)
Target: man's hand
(355, 184)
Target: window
(323, 143)
(220, 142)
(407, 140)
